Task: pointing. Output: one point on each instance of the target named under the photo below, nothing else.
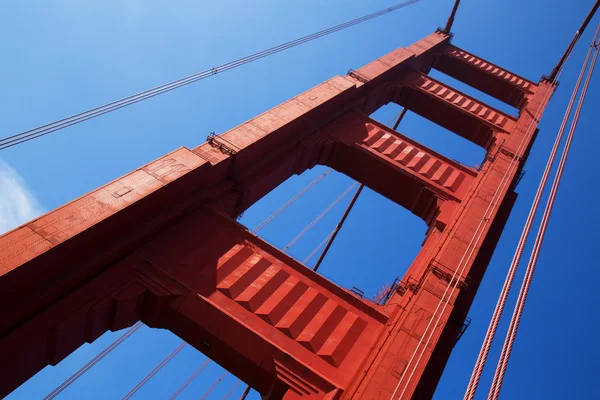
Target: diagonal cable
(154, 371)
(93, 362)
(290, 201)
(34, 133)
(189, 380)
(318, 218)
(214, 385)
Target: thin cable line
(290, 201)
(154, 371)
(522, 298)
(323, 242)
(189, 380)
(318, 218)
(235, 385)
(34, 133)
(489, 337)
(478, 232)
(214, 385)
(93, 362)
(245, 394)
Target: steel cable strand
(318, 218)
(332, 236)
(483, 222)
(115, 105)
(154, 371)
(290, 201)
(189, 380)
(490, 334)
(312, 253)
(518, 311)
(245, 393)
(230, 391)
(93, 362)
(214, 385)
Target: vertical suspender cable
(518, 311)
(489, 337)
(189, 380)
(93, 362)
(154, 371)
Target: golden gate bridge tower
(162, 244)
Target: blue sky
(66, 56)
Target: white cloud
(17, 204)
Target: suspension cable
(291, 201)
(489, 337)
(214, 385)
(233, 387)
(318, 218)
(190, 379)
(338, 227)
(400, 116)
(553, 75)
(462, 265)
(331, 237)
(450, 21)
(154, 371)
(93, 362)
(31, 134)
(522, 298)
(245, 394)
(323, 242)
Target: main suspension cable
(190, 379)
(31, 134)
(154, 371)
(450, 21)
(93, 362)
(522, 298)
(462, 264)
(556, 70)
(489, 337)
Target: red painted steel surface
(485, 76)
(161, 245)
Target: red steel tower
(162, 245)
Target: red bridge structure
(162, 245)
